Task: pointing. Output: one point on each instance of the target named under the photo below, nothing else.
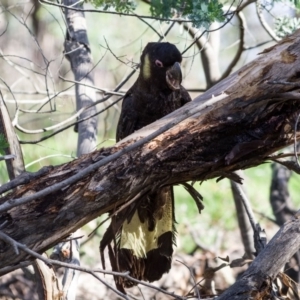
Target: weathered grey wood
(79, 54)
(14, 166)
(239, 129)
(48, 287)
(243, 219)
(256, 281)
(43, 274)
(282, 207)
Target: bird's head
(160, 63)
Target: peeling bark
(235, 125)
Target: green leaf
(286, 25)
(200, 12)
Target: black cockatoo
(144, 233)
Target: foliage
(296, 3)
(293, 3)
(119, 5)
(201, 13)
(3, 143)
(286, 25)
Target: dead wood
(235, 125)
(256, 282)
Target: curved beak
(174, 77)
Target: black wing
(184, 96)
(128, 118)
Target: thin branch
(102, 90)
(115, 13)
(193, 277)
(207, 31)
(74, 123)
(46, 157)
(281, 155)
(259, 234)
(9, 269)
(134, 70)
(295, 140)
(256, 46)
(263, 22)
(245, 4)
(23, 179)
(50, 262)
(150, 26)
(242, 25)
(293, 84)
(116, 57)
(75, 115)
(4, 237)
(246, 203)
(50, 128)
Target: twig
(238, 54)
(10, 241)
(114, 55)
(134, 70)
(23, 179)
(50, 262)
(109, 286)
(259, 234)
(72, 124)
(295, 140)
(257, 45)
(263, 22)
(115, 13)
(294, 84)
(7, 157)
(207, 31)
(46, 157)
(9, 269)
(246, 204)
(105, 91)
(246, 3)
(193, 277)
(281, 155)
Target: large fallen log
(235, 125)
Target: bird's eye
(159, 63)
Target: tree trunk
(235, 125)
(243, 219)
(14, 166)
(79, 54)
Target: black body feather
(156, 93)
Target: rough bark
(256, 282)
(79, 54)
(281, 204)
(235, 125)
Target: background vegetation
(33, 68)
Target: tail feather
(144, 242)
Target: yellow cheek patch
(146, 71)
(139, 239)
